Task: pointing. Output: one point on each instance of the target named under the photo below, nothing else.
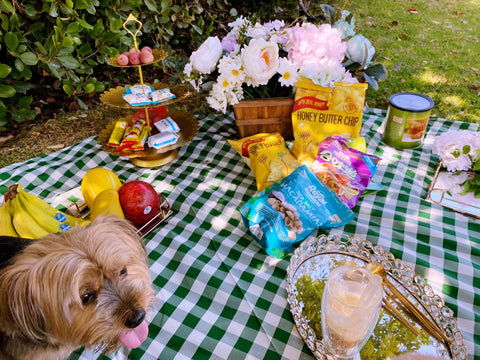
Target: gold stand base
(155, 160)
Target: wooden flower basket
(254, 116)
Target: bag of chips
(289, 210)
(322, 111)
(345, 170)
(268, 157)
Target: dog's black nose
(135, 318)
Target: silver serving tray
(438, 195)
(316, 257)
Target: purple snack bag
(345, 170)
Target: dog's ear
(20, 313)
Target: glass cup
(351, 304)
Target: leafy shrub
(71, 40)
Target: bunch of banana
(33, 218)
(6, 224)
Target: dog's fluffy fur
(84, 287)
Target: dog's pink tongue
(135, 337)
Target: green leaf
(73, 28)
(89, 88)
(26, 114)
(5, 70)
(115, 24)
(25, 101)
(377, 71)
(7, 6)
(66, 11)
(151, 5)
(329, 12)
(30, 11)
(69, 61)
(19, 65)
(197, 29)
(84, 50)
(165, 6)
(67, 41)
(5, 22)
(29, 58)
(476, 166)
(11, 40)
(36, 30)
(371, 81)
(6, 91)
(99, 87)
(68, 89)
(15, 21)
(82, 104)
(163, 19)
(55, 69)
(53, 11)
(456, 153)
(85, 24)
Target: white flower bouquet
(459, 151)
(256, 60)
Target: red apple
(139, 201)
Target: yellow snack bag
(321, 111)
(268, 157)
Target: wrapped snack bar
(289, 210)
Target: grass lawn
(428, 47)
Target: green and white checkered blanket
(219, 295)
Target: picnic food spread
(313, 183)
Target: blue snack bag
(289, 210)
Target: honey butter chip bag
(345, 170)
(322, 111)
(267, 156)
(289, 210)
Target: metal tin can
(407, 119)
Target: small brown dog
(89, 287)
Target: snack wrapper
(138, 96)
(167, 124)
(142, 138)
(345, 170)
(288, 211)
(117, 133)
(131, 137)
(137, 99)
(320, 111)
(161, 140)
(268, 157)
(160, 95)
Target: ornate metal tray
(440, 195)
(113, 97)
(188, 129)
(308, 270)
(158, 55)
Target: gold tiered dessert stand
(149, 157)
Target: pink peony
(313, 43)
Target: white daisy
(288, 72)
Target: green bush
(70, 40)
